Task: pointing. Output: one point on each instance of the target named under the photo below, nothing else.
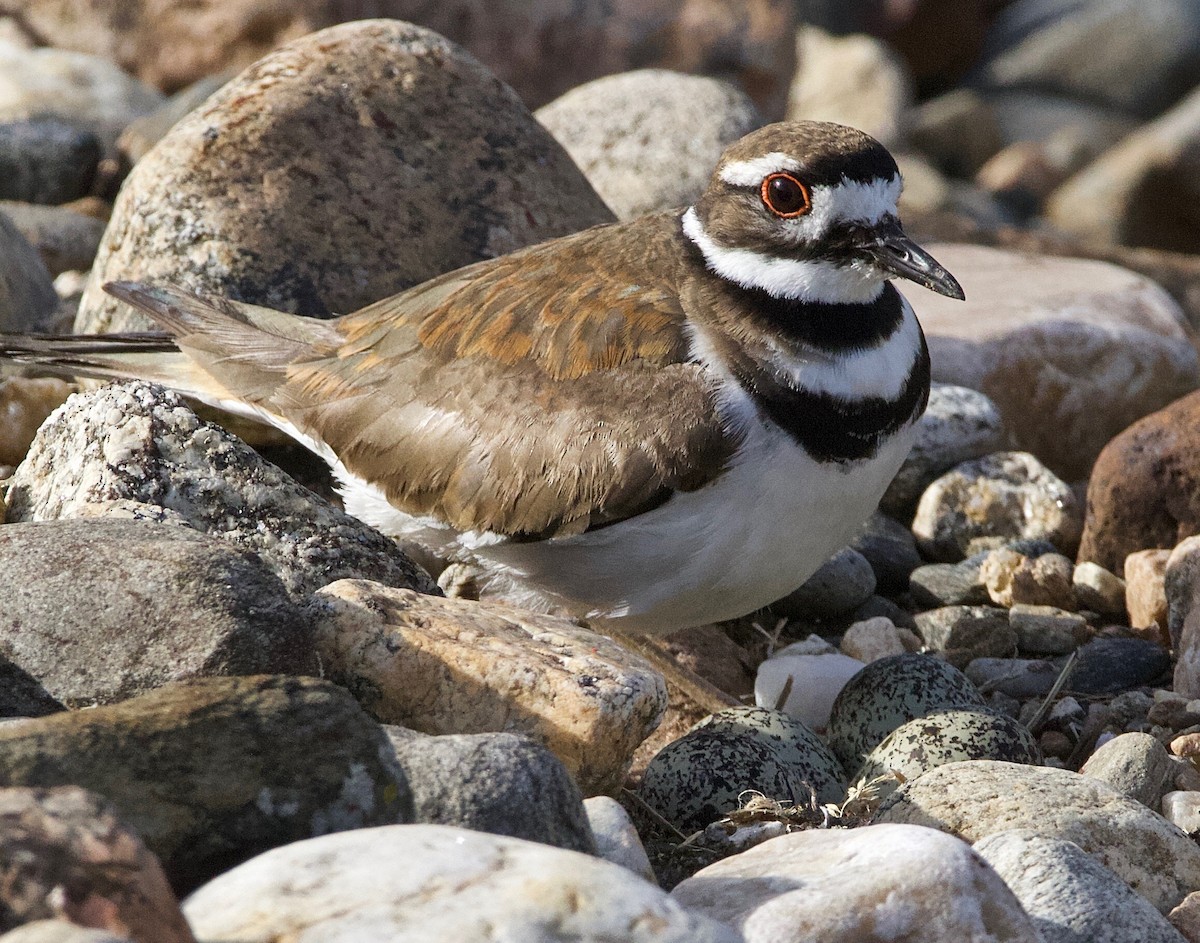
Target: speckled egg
(697, 779)
(947, 736)
(890, 692)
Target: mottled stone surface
(99, 611)
(1183, 620)
(456, 666)
(1145, 489)
(649, 140)
(65, 852)
(1071, 351)
(959, 424)
(1069, 895)
(212, 771)
(1003, 497)
(139, 443)
(978, 798)
(435, 882)
(878, 884)
(377, 142)
(500, 783)
(1135, 764)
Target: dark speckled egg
(948, 736)
(697, 779)
(890, 692)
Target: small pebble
(872, 639)
(1098, 589)
(1045, 630)
(1183, 810)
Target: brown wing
(539, 394)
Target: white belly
(726, 550)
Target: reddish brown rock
(541, 48)
(64, 853)
(1145, 488)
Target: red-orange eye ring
(785, 196)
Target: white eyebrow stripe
(749, 173)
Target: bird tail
(224, 353)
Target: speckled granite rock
(99, 611)
(67, 839)
(959, 424)
(1135, 764)
(982, 797)
(1183, 593)
(366, 128)
(456, 666)
(212, 771)
(138, 442)
(1071, 351)
(1006, 496)
(877, 884)
(435, 882)
(649, 140)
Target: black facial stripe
(833, 327)
(861, 166)
(833, 429)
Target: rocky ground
(980, 722)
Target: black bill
(896, 253)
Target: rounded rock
(1007, 495)
(648, 140)
(377, 141)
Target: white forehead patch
(859, 202)
(750, 173)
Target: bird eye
(785, 196)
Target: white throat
(796, 279)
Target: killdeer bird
(652, 425)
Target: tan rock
(873, 639)
(1142, 191)
(1146, 593)
(1013, 578)
(1071, 351)
(340, 169)
(456, 666)
(856, 80)
(68, 839)
(24, 405)
(1097, 589)
(1186, 917)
